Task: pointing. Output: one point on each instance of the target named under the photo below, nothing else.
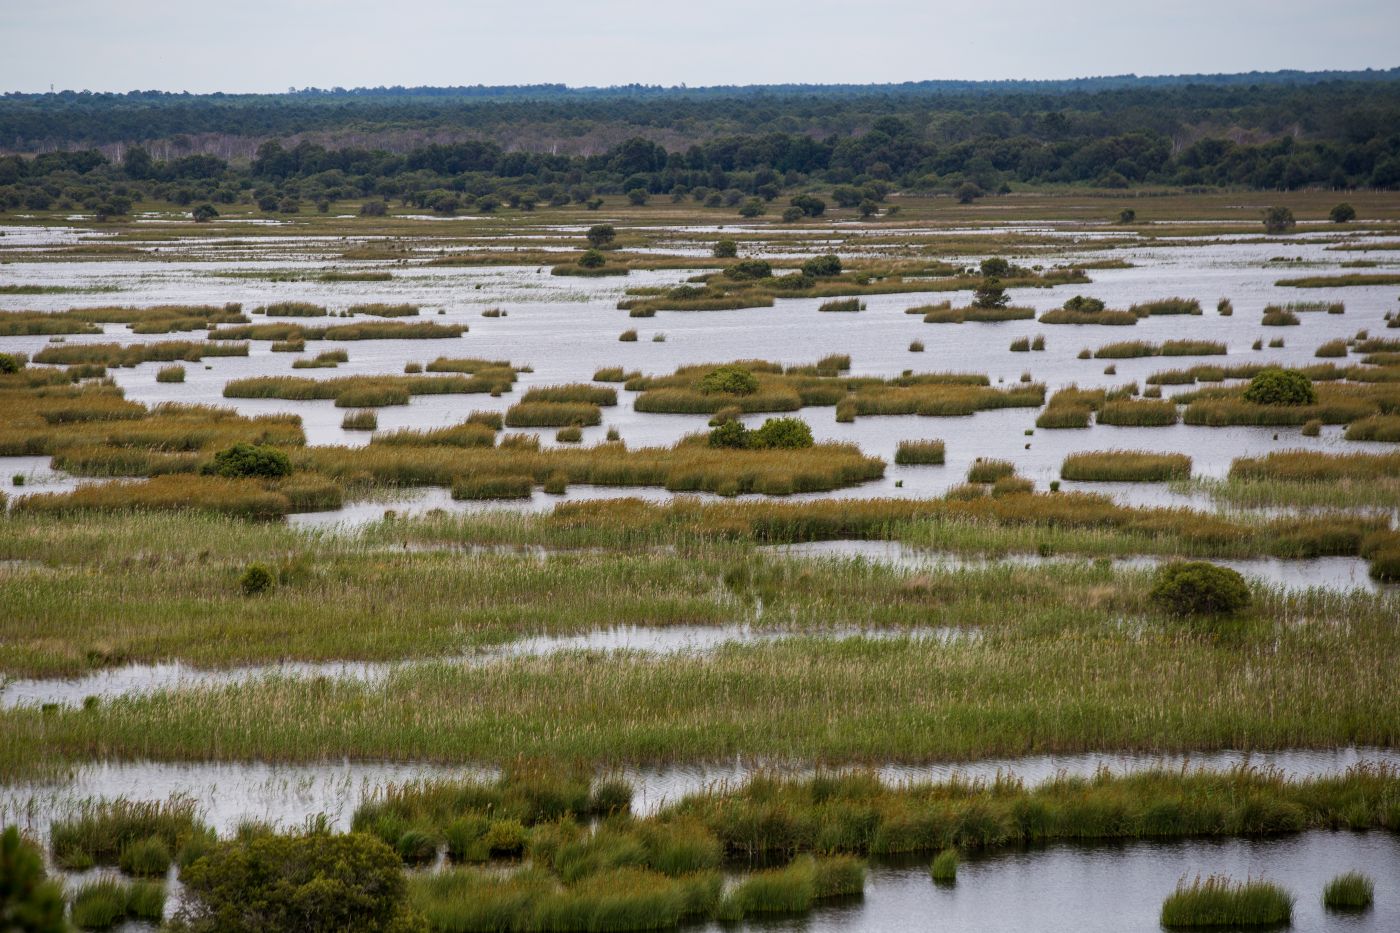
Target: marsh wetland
(332, 522)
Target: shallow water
(1331, 573)
(136, 679)
(1112, 889)
(228, 793)
(566, 328)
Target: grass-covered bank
(1071, 681)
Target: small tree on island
(1279, 220)
(1342, 213)
(990, 294)
(601, 236)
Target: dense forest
(489, 148)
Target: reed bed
(328, 360)
(944, 315)
(105, 902)
(239, 497)
(989, 471)
(919, 452)
(689, 466)
(615, 374)
(1374, 428)
(102, 832)
(580, 392)
(1219, 902)
(1143, 413)
(128, 355)
(1333, 348)
(359, 391)
(161, 319)
(362, 330)
(466, 434)
(170, 374)
(1279, 319)
(1340, 281)
(384, 310)
(1105, 317)
(539, 414)
(1126, 466)
(293, 309)
(1166, 306)
(842, 304)
(1351, 891)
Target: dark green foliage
(1279, 220)
(1342, 213)
(749, 269)
(725, 249)
(1280, 387)
(601, 235)
(729, 434)
(782, 434)
(990, 294)
(250, 460)
(29, 902)
(1199, 588)
(11, 363)
(256, 579)
(822, 266)
(729, 380)
(316, 883)
(592, 259)
(149, 857)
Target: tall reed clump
(552, 414)
(359, 421)
(919, 452)
(628, 336)
(1143, 413)
(1279, 318)
(945, 867)
(1351, 891)
(135, 834)
(128, 355)
(328, 360)
(1166, 306)
(1125, 466)
(1219, 902)
(493, 487)
(575, 392)
(170, 374)
(384, 310)
(103, 903)
(244, 498)
(944, 315)
(1332, 348)
(292, 309)
(989, 471)
(467, 434)
(842, 304)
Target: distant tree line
(1338, 134)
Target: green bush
(592, 259)
(315, 883)
(730, 380)
(250, 460)
(1275, 386)
(729, 434)
(749, 269)
(822, 266)
(1342, 213)
(782, 434)
(725, 249)
(11, 362)
(28, 900)
(1198, 588)
(256, 579)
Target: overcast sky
(270, 45)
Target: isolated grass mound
(1125, 466)
(919, 452)
(1349, 892)
(1219, 902)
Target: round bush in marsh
(730, 380)
(749, 269)
(1199, 588)
(256, 579)
(822, 266)
(592, 259)
(11, 362)
(725, 249)
(1275, 386)
(1342, 213)
(250, 460)
(783, 434)
(730, 434)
